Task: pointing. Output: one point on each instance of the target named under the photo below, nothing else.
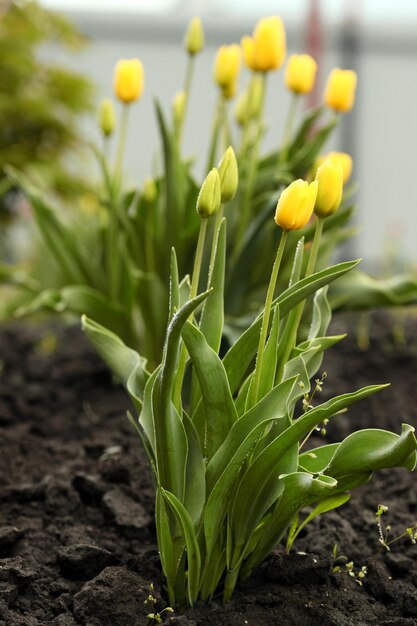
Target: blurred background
(377, 38)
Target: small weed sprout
(384, 531)
(358, 575)
(155, 617)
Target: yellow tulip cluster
(323, 196)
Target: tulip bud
(149, 190)
(265, 50)
(340, 88)
(229, 175)
(330, 188)
(209, 198)
(128, 80)
(300, 73)
(344, 160)
(226, 69)
(241, 109)
(296, 204)
(106, 117)
(178, 107)
(194, 37)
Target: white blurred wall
(381, 132)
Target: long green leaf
(219, 408)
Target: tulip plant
(225, 437)
(114, 264)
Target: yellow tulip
(227, 68)
(128, 80)
(194, 37)
(265, 50)
(300, 73)
(329, 178)
(296, 204)
(343, 158)
(340, 88)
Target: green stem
(122, 141)
(289, 123)
(218, 221)
(230, 584)
(217, 125)
(266, 316)
(193, 292)
(150, 238)
(245, 213)
(187, 88)
(300, 307)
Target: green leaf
(241, 354)
(212, 316)
(170, 436)
(193, 551)
(174, 287)
(121, 359)
(195, 486)
(269, 363)
(220, 411)
(165, 543)
(326, 505)
(371, 449)
(361, 291)
(225, 466)
(251, 495)
(300, 489)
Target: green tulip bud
(209, 198)
(178, 107)
(229, 175)
(106, 117)
(194, 37)
(149, 190)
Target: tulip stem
(251, 174)
(217, 223)
(289, 124)
(292, 340)
(122, 141)
(265, 319)
(187, 88)
(193, 292)
(218, 123)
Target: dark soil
(77, 537)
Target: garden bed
(77, 536)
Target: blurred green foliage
(40, 101)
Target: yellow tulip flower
(296, 204)
(300, 73)
(227, 68)
(128, 80)
(209, 198)
(329, 178)
(194, 37)
(343, 158)
(265, 50)
(340, 89)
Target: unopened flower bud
(265, 50)
(106, 117)
(178, 107)
(300, 73)
(296, 204)
(241, 109)
(209, 198)
(149, 190)
(340, 89)
(330, 188)
(128, 80)
(229, 175)
(194, 37)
